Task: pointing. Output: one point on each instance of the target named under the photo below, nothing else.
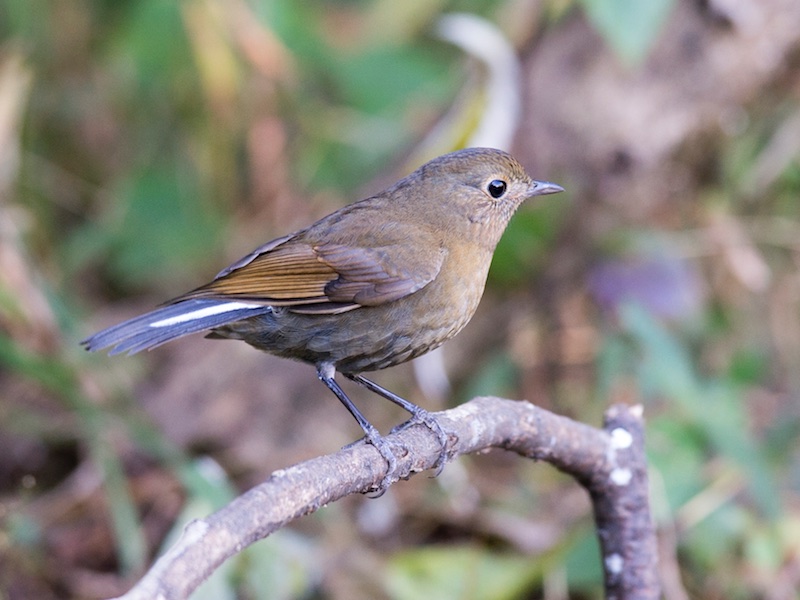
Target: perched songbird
(372, 285)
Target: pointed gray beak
(541, 188)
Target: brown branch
(609, 463)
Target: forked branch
(609, 463)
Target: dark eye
(496, 188)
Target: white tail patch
(201, 313)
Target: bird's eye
(496, 188)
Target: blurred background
(146, 144)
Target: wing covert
(323, 278)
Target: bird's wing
(325, 278)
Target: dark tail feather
(170, 322)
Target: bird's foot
(423, 417)
(375, 439)
(418, 415)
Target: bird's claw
(423, 417)
(377, 441)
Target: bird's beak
(541, 188)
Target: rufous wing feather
(323, 278)
(373, 276)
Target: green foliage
(522, 250)
(157, 220)
(629, 26)
(713, 407)
(59, 378)
(495, 377)
(284, 566)
(583, 562)
(705, 418)
(459, 572)
(148, 43)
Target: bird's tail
(171, 322)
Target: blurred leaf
(496, 376)
(629, 26)
(666, 369)
(22, 18)
(284, 566)
(679, 453)
(665, 366)
(61, 380)
(459, 572)
(332, 162)
(583, 562)
(382, 79)
(151, 38)
(713, 541)
(159, 228)
(164, 225)
(613, 363)
(748, 366)
(355, 104)
(391, 22)
(22, 531)
(210, 489)
(362, 109)
(298, 26)
(128, 533)
(764, 549)
(782, 441)
(522, 249)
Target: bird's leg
(418, 415)
(325, 374)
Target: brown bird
(372, 285)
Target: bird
(372, 285)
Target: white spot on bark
(620, 476)
(614, 563)
(620, 438)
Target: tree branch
(609, 463)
